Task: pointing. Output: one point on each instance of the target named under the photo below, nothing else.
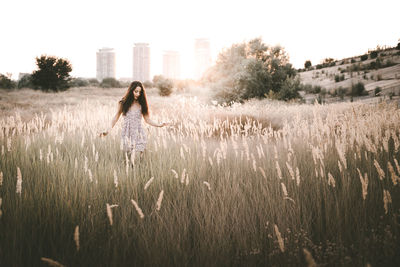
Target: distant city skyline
(307, 29)
(105, 63)
(141, 62)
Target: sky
(77, 29)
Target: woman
(133, 106)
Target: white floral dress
(133, 135)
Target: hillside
(377, 69)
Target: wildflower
(279, 237)
(278, 170)
(19, 181)
(208, 185)
(381, 173)
(138, 209)
(386, 200)
(160, 198)
(175, 173)
(148, 183)
(76, 237)
(51, 262)
(331, 180)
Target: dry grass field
(256, 184)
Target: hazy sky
(312, 29)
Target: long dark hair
(128, 98)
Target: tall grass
(254, 184)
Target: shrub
(377, 91)
(25, 81)
(110, 83)
(398, 46)
(374, 54)
(79, 82)
(148, 84)
(164, 85)
(353, 60)
(358, 89)
(290, 89)
(339, 78)
(6, 83)
(364, 57)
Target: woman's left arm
(152, 123)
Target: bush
(374, 54)
(93, 82)
(398, 46)
(353, 60)
(364, 57)
(358, 89)
(79, 82)
(25, 81)
(339, 78)
(290, 89)
(164, 85)
(148, 84)
(6, 83)
(377, 91)
(110, 83)
(53, 73)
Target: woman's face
(136, 92)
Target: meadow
(259, 183)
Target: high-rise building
(202, 56)
(141, 62)
(171, 65)
(105, 64)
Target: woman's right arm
(114, 120)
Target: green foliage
(374, 54)
(398, 46)
(339, 78)
(6, 83)
(307, 64)
(377, 91)
(352, 60)
(358, 89)
(310, 89)
(164, 85)
(364, 57)
(110, 83)
(93, 82)
(250, 70)
(25, 81)
(290, 89)
(52, 73)
(79, 82)
(340, 92)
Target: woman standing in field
(133, 106)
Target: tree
(250, 70)
(25, 81)
(53, 73)
(307, 64)
(163, 84)
(6, 82)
